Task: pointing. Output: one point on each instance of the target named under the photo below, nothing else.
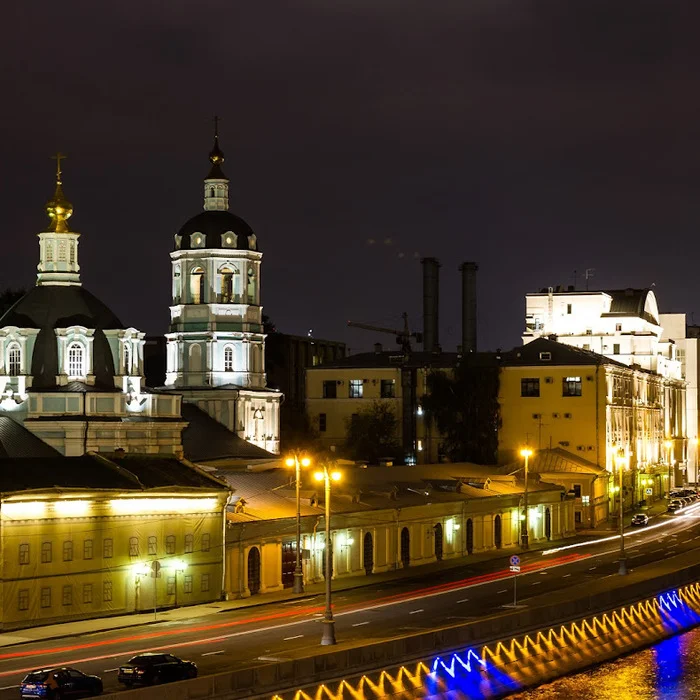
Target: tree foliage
(8, 297)
(372, 434)
(464, 407)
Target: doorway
(405, 547)
(368, 553)
(497, 532)
(254, 571)
(289, 563)
(438, 541)
(548, 523)
(470, 536)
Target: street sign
(155, 569)
(648, 492)
(515, 560)
(515, 569)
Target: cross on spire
(58, 158)
(216, 126)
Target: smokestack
(431, 295)
(468, 270)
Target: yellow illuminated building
(107, 534)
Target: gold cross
(58, 158)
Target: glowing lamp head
(336, 476)
(668, 444)
(526, 452)
(318, 476)
(290, 461)
(305, 462)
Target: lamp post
(668, 445)
(328, 636)
(525, 453)
(297, 463)
(621, 463)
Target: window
(228, 359)
(571, 386)
(568, 308)
(49, 251)
(23, 599)
(189, 543)
(71, 253)
(108, 548)
(616, 348)
(68, 550)
(152, 545)
(618, 326)
(127, 359)
(76, 360)
(46, 597)
(330, 389)
(251, 284)
(586, 346)
(321, 422)
(176, 286)
(87, 593)
(197, 285)
(170, 544)
(133, 546)
(206, 542)
(226, 285)
(87, 549)
(171, 585)
(545, 356)
(107, 591)
(355, 388)
(62, 251)
(388, 389)
(14, 360)
(577, 490)
(46, 553)
(187, 584)
(68, 595)
(530, 386)
(24, 554)
(205, 583)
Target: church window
(252, 242)
(127, 359)
(49, 251)
(211, 192)
(229, 239)
(177, 289)
(251, 286)
(226, 285)
(14, 360)
(228, 359)
(76, 360)
(72, 253)
(197, 285)
(62, 251)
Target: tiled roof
(17, 441)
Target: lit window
(226, 296)
(187, 584)
(197, 286)
(14, 360)
(571, 386)
(355, 388)
(76, 360)
(228, 359)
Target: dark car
(674, 506)
(59, 684)
(640, 519)
(147, 669)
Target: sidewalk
(312, 590)
(655, 509)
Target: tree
(8, 297)
(372, 434)
(464, 407)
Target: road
(268, 633)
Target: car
(674, 506)
(59, 683)
(640, 519)
(152, 668)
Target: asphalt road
(269, 633)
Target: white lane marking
(660, 549)
(543, 573)
(293, 602)
(107, 670)
(536, 583)
(296, 636)
(211, 653)
(566, 575)
(413, 612)
(359, 624)
(636, 556)
(464, 600)
(593, 567)
(697, 538)
(9, 687)
(505, 590)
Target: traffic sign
(515, 560)
(648, 492)
(155, 569)
(515, 569)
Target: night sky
(536, 138)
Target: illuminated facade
(69, 370)
(72, 553)
(216, 344)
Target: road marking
(296, 636)
(413, 612)
(543, 573)
(505, 590)
(359, 624)
(293, 602)
(211, 653)
(636, 556)
(593, 567)
(660, 549)
(566, 575)
(107, 670)
(9, 687)
(536, 583)
(697, 538)
(464, 600)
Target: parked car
(674, 506)
(640, 519)
(151, 668)
(59, 683)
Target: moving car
(59, 684)
(674, 506)
(640, 519)
(151, 668)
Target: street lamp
(621, 464)
(328, 636)
(525, 453)
(668, 445)
(297, 463)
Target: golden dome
(216, 155)
(58, 208)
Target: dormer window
(76, 360)
(197, 240)
(14, 360)
(178, 241)
(252, 242)
(228, 359)
(229, 240)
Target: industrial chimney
(431, 295)
(468, 270)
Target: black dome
(214, 224)
(50, 307)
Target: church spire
(58, 207)
(216, 184)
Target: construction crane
(403, 337)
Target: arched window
(211, 192)
(76, 360)
(72, 253)
(228, 358)
(177, 286)
(127, 359)
(251, 286)
(49, 251)
(226, 285)
(14, 360)
(197, 285)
